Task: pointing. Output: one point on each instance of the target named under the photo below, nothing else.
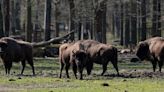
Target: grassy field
(135, 77)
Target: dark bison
(71, 54)
(152, 50)
(99, 53)
(14, 51)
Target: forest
(128, 21)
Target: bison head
(80, 58)
(143, 50)
(3, 46)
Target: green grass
(46, 79)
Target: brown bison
(14, 51)
(153, 50)
(99, 53)
(71, 54)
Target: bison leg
(30, 61)
(104, 69)
(160, 65)
(8, 67)
(75, 70)
(115, 66)
(154, 63)
(89, 68)
(61, 68)
(81, 73)
(66, 69)
(23, 66)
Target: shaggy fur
(15, 51)
(99, 53)
(153, 50)
(71, 54)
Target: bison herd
(81, 54)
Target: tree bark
(122, 23)
(17, 16)
(47, 21)
(6, 16)
(51, 41)
(29, 23)
(104, 22)
(143, 14)
(159, 18)
(12, 18)
(36, 25)
(133, 23)
(56, 33)
(127, 30)
(1, 23)
(72, 15)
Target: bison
(152, 50)
(14, 51)
(72, 54)
(99, 53)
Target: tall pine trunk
(1, 23)
(122, 23)
(12, 22)
(127, 28)
(47, 21)
(17, 16)
(36, 25)
(72, 15)
(143, 15)
(29, 23)
(159, 18)
(6, 16)
(133, 22)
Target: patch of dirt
(138, 74)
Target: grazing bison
(14, 51)
(71, 54)
(153, 50)
(99, 53)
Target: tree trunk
(127, 22)
(12, 22)
(133, 23)
(56, 33)
(138, 21)
(47, 21)
(1, 23)
(29, 23)
(79, 30)
(36, 25)
(17, 16)
(72, 15)
(6, 16)
(143, 14)
(122, 23)
(104, 22)
(159, 18)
